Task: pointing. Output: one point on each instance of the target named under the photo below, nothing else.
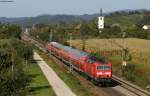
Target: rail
(130, 87)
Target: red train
(98, 70)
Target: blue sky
(23, 8)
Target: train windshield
(107, 68)
(103, 68)
(100, 68)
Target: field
(39, 86)
(138, 48)
(133, 44)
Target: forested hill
(123, 17)
(128, 18)
(48, 19)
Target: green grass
(72, 81)
(39, 85)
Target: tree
(7, 31)
(13, 80)
(144, 21)
(84, 31)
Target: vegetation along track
(126, 85)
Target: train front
(102, 69)
(103, 72)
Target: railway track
(132, 88)
(122, 83)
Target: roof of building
(147, 26)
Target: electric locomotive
(96, 69)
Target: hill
(47, 19)
(125, 18)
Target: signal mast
(100, 21)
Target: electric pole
(50, 36)
(71, 67)
(50, 40)
(70, 40)
(124, 53)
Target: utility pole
(124, 62)
(50, 36)
(124, 53)
(70, 39)
(123, 36)
(83, 43)
(71, 66)
(50, 40)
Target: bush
(129, 72)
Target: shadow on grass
(35, 61)
(33, 89)
(33, 76)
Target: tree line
(88, 29)
(13, 55)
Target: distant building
(146, 27)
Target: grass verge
(39, 85)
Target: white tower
(27, 31)
(101, 21)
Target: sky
(30, 8)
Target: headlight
(107, 73)
(99, 73)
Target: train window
(101, 60)
(90, 61)
(103, 68)
(106, 67)
(100, 68)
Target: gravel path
(60, 88)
